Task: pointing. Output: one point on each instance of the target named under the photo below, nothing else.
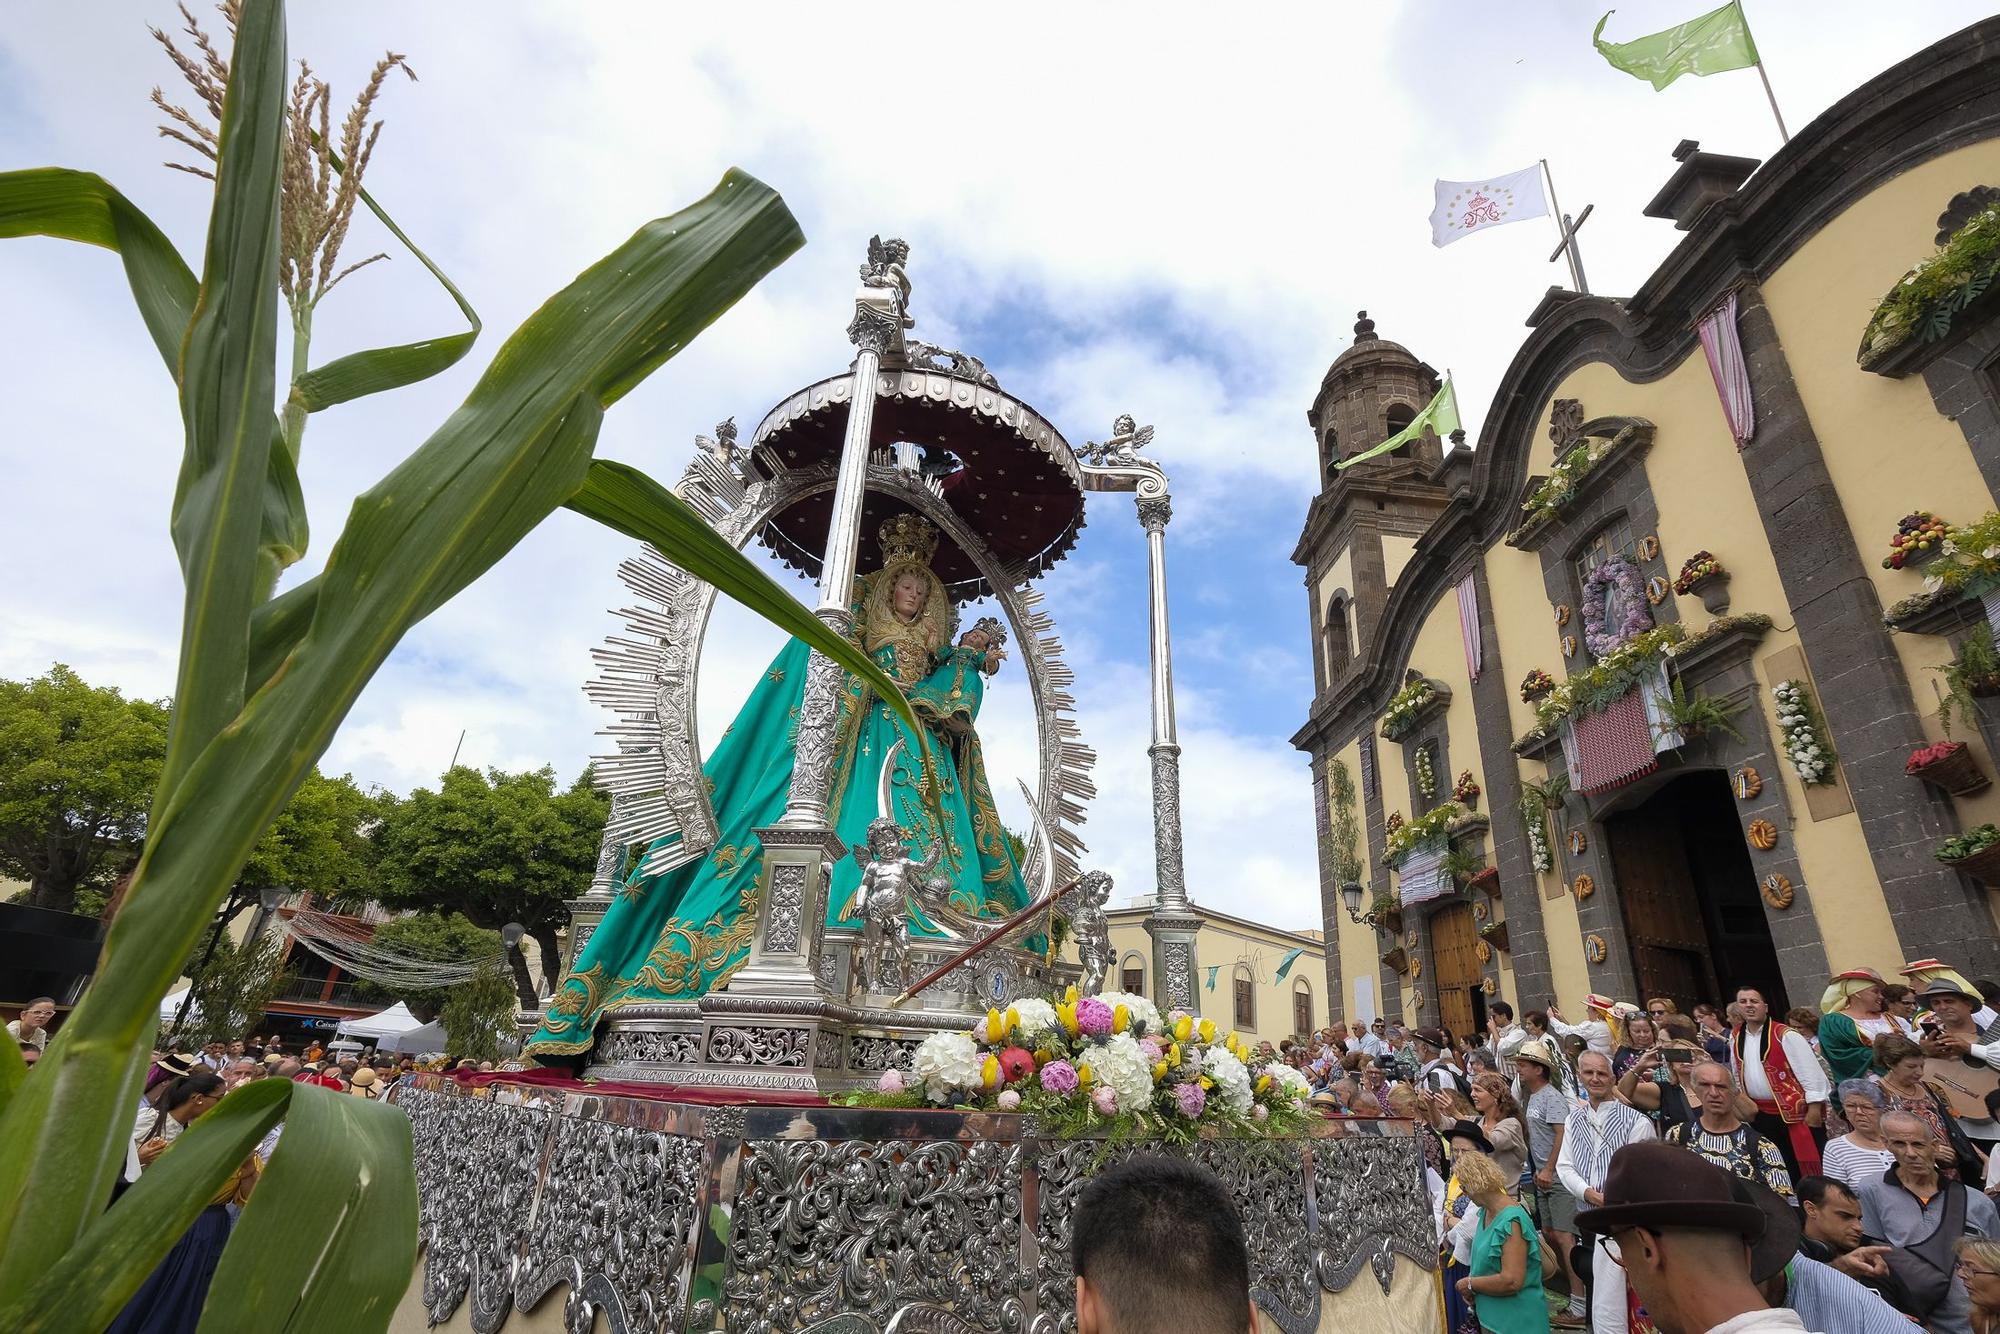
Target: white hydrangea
(1290, 1080)
(1121, 1064)
(1232, 1081)
(1035, 1015)
(1142, 1010)
(946, 1063)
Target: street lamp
(1350, 893)
(510, 936)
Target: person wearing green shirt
(1855, 1017)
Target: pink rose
(1260, 1113)
(1105, 1099)
(1010, 1101)
(890, 1082)
(1059, 1077)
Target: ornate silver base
(671, 1216)
(734, 1040)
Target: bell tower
(1364, 524)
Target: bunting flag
(1468, 625)
(1286, 966)
(1723, 347)
(1716, 42)
(1213, 969)
(1460, 208)
(1440, 415)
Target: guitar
(1965, 1086)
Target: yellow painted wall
(1887, 448)
(1229, 943)
(1357, 944)
(1338, 575)
(1396, 553)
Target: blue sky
(1171, 210)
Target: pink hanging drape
(1468, 625)
(1724, 349)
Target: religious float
(816, 1062)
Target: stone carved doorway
(1455, 962)
(1694, 922)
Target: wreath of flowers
(1596, 594)
(1427, 782)
(1806, 746)
(1696, 568)
(1535, 685)
(1104, 1062)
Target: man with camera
(1661, 1081)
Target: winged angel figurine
(1122, 449)
(723, 448)
(891, 880)
(885, 269)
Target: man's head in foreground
(1158, 1248)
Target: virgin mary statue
(685, 932)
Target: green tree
(320, 842)
(236, 986)
(497, 847)
(440, 938)
(476, 1013)
(78, 764)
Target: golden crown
(906, 538)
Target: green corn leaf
(121, 1246)
(78, 206)
(516, 449)
(228, 372)
(382, 368)
(276, 628)
(13, 1069)
(328, 1239)
(622, 497)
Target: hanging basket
(1983, 866)
(1957, 773)
(1985, 686)
(1390, 921)
(1396, 960)
(1496, 936)
(1487, 882)
(1713, 590)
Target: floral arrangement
(1624, 576)
(1405, 705)
(1968, 559)
(1547, 500)
(1536, 685)
(1973, 841)
(1466, 789)
(1392, 824)
(1538, 848)
(1801, 733)
(1537, 799)
(1105, 1062)
(1433, 823)
(1930, 296)
(1346, 829)
(1593, 689)
(1427, 779)
(1696, 568)
(1916, 533)
(1936, 753)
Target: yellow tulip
(1083, 1074)
(1263, 1083)
(1066, 1015)
(989, 1072)
(1069, 997)
(1208, 1030)
(996, 1026)
(1042, 1057)
(1207, 1083)
(1159, 1071)
(1174, 1054)
(1183, 1027)
(1013, 1019)
(1121, 1019)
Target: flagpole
(1769, 96)
(1555, 210)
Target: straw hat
(363, 1083)
(1844, 985)
(1536, 1050)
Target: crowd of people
(1863, 1135)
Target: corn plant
(328, 1239)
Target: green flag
(1286, 966)
(1441, 415)
(1213, 970)
(1711, 44)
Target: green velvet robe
(682, 934)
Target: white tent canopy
(395, 1029)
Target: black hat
(1944, 986)
(1653, 1184)
(1780, 1242)
(1470, 1132)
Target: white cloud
(1172, 212)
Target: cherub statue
(1090, 928)
(723, 447)
(988, 635)
(1122, 449)
(890, 879)
(885, 269)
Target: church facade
(1627, 695)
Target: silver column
(1173, 924)
(800, 848)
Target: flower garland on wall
(1097, 1063)
(1803, 735)
(1433, 823)
(1596, 687)
(1547, 500)
(1346, 828)
(1968, 560)
(1931, 295)
(1537, 800)
(1623, 576)
(1405, 705)
(1427, 779)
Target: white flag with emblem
(1465, 207)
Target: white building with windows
(1264, 981)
